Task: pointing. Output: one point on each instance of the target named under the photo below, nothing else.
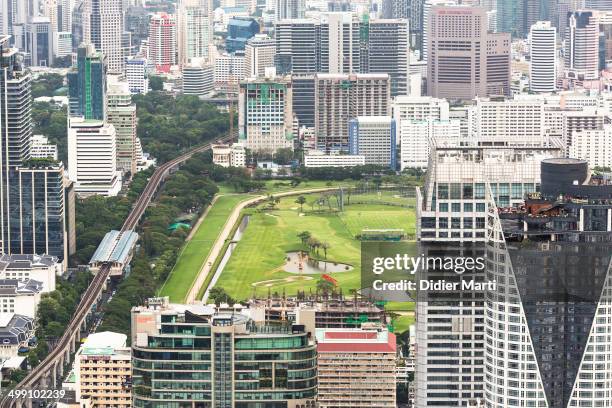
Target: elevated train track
(49, 372)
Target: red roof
(350, 335)
(357, 347)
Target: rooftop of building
(15, 328)
(103, 343)
(115, 247)
(20, 287)
(9, 262)
(355, 341)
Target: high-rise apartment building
(103, 370)
(289, 9)
(543, 57)
(427, 6)
(521, 121)
(582, 46)
(339, 98)
(92, 157)
(452, 213)
(265, 114)
(547, 325)
(580, 120)
(465, 60)
(194, 29)
(356, 368)
(162, 42)
(388, 51)
(259, 54)
(374, 137)
(136, 74)
(87, 84)
(103, 27)
(121, 113)
(220, 359)
(417, 136)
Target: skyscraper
(265, 119)
(194, 29)
(121, 113)
(259, 55)
(288, 9)
(582, 46)
(103, 27)
(162, 42)
(465, 60)
(92, 157)
(543, 57)
(339, 98)
(340, 43)
(87, 84)
(39, 41)
(388, 51)
(297, 46)
(547, 326)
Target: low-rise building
(316, 158)
(594, 146)
(42, 268)
(20, 296)
(225, 155)
(16, 331)
(356, 368)
(103, 370)
(41, 148)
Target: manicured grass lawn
(194, 252)
(279, 186)
(400, 306)
(402, 324)
(260, 255)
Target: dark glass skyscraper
(87, 84)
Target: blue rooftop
(115, 247)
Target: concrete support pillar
(53, 376)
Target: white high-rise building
(582, 46)
(103, 27)
(259, 55)
(195, 30)
(92, 157)
(543, 57)
(137, 77)
(288, 9)
(62, 43)
(121, 113)
(417, 137)
(594, 146)
(419, 108)
(519, 121)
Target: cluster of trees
(168, 126)
(187, 191)
(54, 312)
(313, 244)
(51, 121)
(47, 85)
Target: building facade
(87, 84)
(375, 138)
(230, 361)
(121, 113)
(102, 22)
(195, 30)
(259, 54)
(265, 114)
(478, 66)
(543, 57)
(162, 42)
(137, 76)
(339, 98)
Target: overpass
(49, 373)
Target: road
(96, 286)
(224, 235)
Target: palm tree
(301, 200)
(304, 236)
(325, 246)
